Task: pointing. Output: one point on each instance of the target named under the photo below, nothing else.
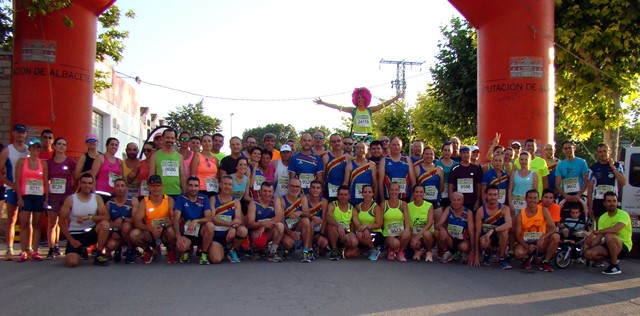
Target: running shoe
(56, 251)
(117, 255)
(286, 255)
(130, 256)
(274, 257)
(185, 257)
(391, 255)
(429, 257)
(305, 256)
(101, 260)
(446, 257)
(233, 256)
(35, 256)
(204, 259)
(8, 256)
(579, 261)
(612, 269)
(23, 257)
(84, 254)
(50, 254)
(526, 263)
(401, 256)
(486, 258)
(171, 256)
(545, 266)
(504, 264)
(335, 255)
(374, 254)
(148, 256)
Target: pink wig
(364, 92)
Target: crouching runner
(192, 222)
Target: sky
(275, 50)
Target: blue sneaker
(374, 254)
(233, 257)
(504, 264)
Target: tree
(282, 132)
(429, 122)
(597, 64)
(191, 118)
(110, 43)
(392, 121)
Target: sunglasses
(147, 150)
(348, 144)
(318, 137)
(384, 141)
(184, 139)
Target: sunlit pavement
(322, 287)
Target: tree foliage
(192, 118)
(392, 121)
(596, 64)
(282, 132)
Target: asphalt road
(322, 287)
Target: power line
(140, 81)
(400, 83)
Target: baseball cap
(91, 138)
(474, 148)
(516, 143)
(154, 179)
(285, 147)
(34, 141)
(19, 128)
(464, 148)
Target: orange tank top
(207, 169)
(155, 215)
(533, 227)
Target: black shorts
(221, 239)
(2, 192)
(456, 243)
(195, 240)
(494, 239)
(623, 253)
(33, 203)
(86, 239)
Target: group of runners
(357, 197)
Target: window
(97, 125)
(634, 170)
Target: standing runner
(167, 163)
(60, 169)
(335, 162)
(361, 172)
(305, 165)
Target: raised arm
(347, 109)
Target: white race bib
(362, 120)
(602, 189)
(333, 190)
(445, 192)
(305, 179)
(257, 182)
(456, 231)
(132, 190)
(394, 228)
(144, 188)
(159, 221)
(34, 187)
(465, 185)
(359, 187)
(571, 185)
(402, 184)
(194, 232)
(418, 225)
(532, 237)
(57, 185)
(502, 193)
(431, 193)
(224, 218)
(292, 222)
(283, 183)
(519, 201)
(317, 227)
(170, 168)
(211, 184)
(112, 178)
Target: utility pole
(400, 83)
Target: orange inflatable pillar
(515, 69)
(53, 69)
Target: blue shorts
(12, 197)
(33, 203)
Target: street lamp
(231, 123)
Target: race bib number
(465, 185)
(571, 185)
(431, 193)
(502, 193)
(445, 192)
(333, 190)
(394, 228)
(532, 236)
(193, 232)
(418, 225)
(34, 187)
(402, 184)
(362, 120)
(292, 222)
(257, 182)
(317, 227)
(344, 226)
(456, 231)
(211, 184)
(57, 186)
(305, 179)
(170, 168)
(224, 218)
(144, 188)
(132, 190)
(112, 178)
(283, 183)
(159, 222)
(602, 189)
(359, 187)
(519, 202)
